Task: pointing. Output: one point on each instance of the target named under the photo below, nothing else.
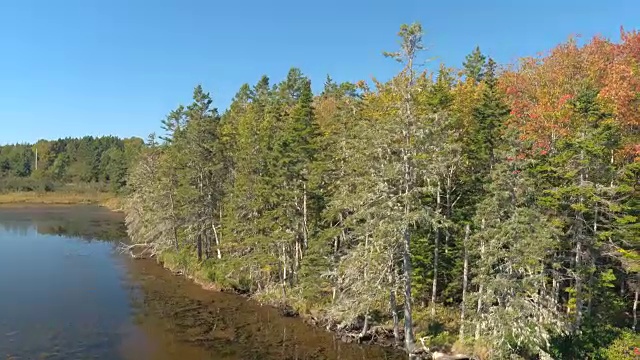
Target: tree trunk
(478, 311)
(405, 189)
(365, 327)
(392, 301)
(434, 285)
(578, 284)
(173, 222)
(555, 289)
(635, 311)
(201, 231)
(305, 231)
(394, 313)
(207, 247)
(480, 290)
(199, 246)
(406, 260)
(296, 256)
(465, 279)
(593, 266)
(408, 319)
(284, 263)
(591, 287)
(579, 221)
(217, 238)
(283, 283)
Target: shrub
(625, 347)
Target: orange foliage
(540, 88)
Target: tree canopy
(38, 166)
(493, 209)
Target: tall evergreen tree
(489, 116)
(515, 247)
(474, 65)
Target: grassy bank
(184, 263)
(106, 200)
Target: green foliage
(358, 202)
(489, 117)
(85, 160)
(18, 184)
(590, 343)
(625, 347)
(474, 65)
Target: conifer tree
(511, 196)
(474, 65)
(489, 116)
(515, 246)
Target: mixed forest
(490, 208)
(88, 163)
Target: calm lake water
(66, 293)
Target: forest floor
(103, 199)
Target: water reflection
(88, 223)
(230, 327)
(61, 298)
(66, 294)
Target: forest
(99, 163)
(486, 209)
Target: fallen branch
(429, 353)
(148, 250)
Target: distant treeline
(48, 165)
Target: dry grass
(112, 203)
(61, 198)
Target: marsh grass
(104, 199)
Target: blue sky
(98, 67)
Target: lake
(67, 293)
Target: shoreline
(105, 200)
(377, 335)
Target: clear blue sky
(97, 67)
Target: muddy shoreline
(214, 319)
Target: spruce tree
(474, 65)
(489, 116)
(514, 311)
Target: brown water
(66, 293)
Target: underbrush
(210, 273)
(625, 347)
(10, 184)
(438, 331)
